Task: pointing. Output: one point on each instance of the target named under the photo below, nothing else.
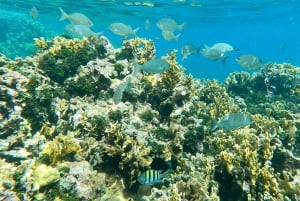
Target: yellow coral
(41, 43)
(61, 147)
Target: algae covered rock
(44, 175)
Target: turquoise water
(268, 29)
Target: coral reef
(77, 124)
(18, 43)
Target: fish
(152, 66)
(147, 24)
(249, 61)
(187, 50)
(34, 13)
(169, 35)
(168, 24)
(151, 177)
(233, 121)
(122, 29)
(75, 18)
(81, 30)
(217, 51)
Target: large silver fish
(233, 121)
(75, 18)
(218, 51)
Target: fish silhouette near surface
(75, 18)
(232, 121)
(168, 24)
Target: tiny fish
(249, 61)
(75, 18)
(233, 121)
(151, 177)
(152, 66)
(34, 13)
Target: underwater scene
(179, 100)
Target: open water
(269, 29)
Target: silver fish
(122, 29)
(187, 50)
(218, 51)
(151, 177)
(249, 61)
(152, 66)
(75, 18)
(168, 24)
(169, 35)
(233, 121)
(81, 30)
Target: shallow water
(268, 29)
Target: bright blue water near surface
(269, 29)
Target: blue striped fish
(151, 177)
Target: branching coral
(61, 148)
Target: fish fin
(224, 60)
(214, 125)
(137, 68)
(176, 38)
(135, 31)
(181, 27)
(99, 33)
(64, 15)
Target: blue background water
(269, 29)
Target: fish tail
(137, 68)
(224, 60)
(135, 31)
(99, 33)
(63, 16)
(176, 38)
(214, 125)
(181, 27)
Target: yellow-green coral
(61, 147)
(43, 175)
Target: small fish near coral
(152, 66)
(232, 121)
(151, 177)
